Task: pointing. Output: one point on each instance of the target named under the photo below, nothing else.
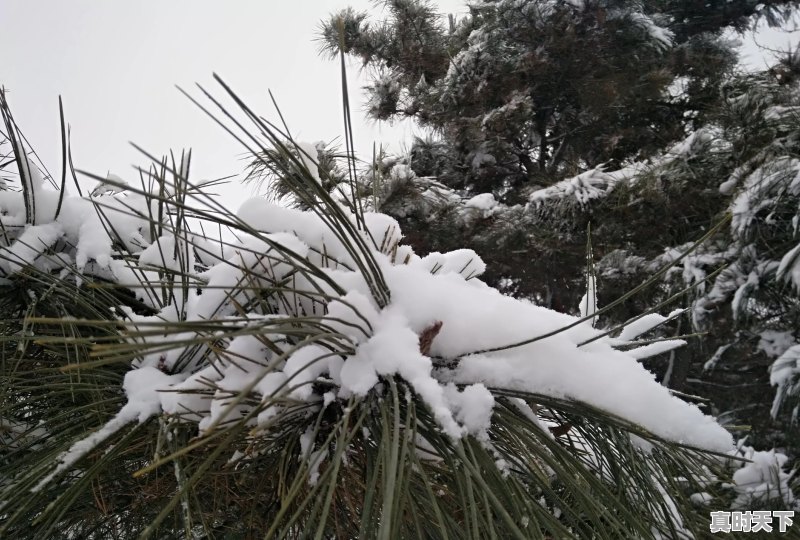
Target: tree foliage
(158, 382)
(532, 90)
(546, 117)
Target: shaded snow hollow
(382, 342)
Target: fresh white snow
(369, 343)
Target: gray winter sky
(116, 64)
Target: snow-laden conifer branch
(274, 360)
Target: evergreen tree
(307, 375)
(547, 117)
(535, 89)
(743, 298)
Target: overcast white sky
(116, 64)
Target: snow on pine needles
(286, 317)
(292, 330)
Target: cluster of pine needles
(386, 470)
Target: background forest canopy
(546, 118)
(569, 310)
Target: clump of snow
(701, 499)
(112, 186)
(163, 253)
(729, 185)
(473, 407)
(464, 262)
(88, 226)
(789, 267)
(644, 324)
(598, 182)
(653, 349)
(761, 480)
(309, 154)
(588, 303)
(592, 184)
(774, 343)
(712, 362)
(313, 458)
(785, 374)
(484, 201)
(782, 115)
(762, 188)
(29, 246)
